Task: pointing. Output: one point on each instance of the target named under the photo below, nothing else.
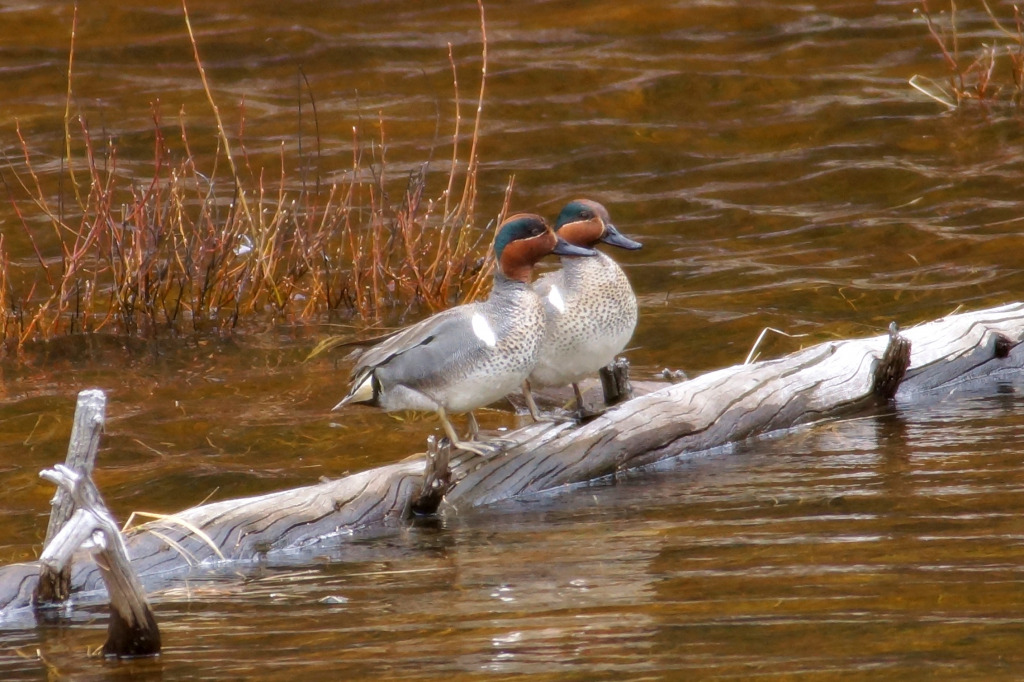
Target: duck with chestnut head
(590, 309)
(471, 355)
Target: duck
(590, 309)
(471, 355)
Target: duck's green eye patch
(575, 211)
(520, 228)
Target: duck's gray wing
(442, 358)
(427, 341)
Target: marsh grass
(184, 249)
(975, 69)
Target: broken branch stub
(893, 366)
(132, 629)
(437, 477)
(90, 414)
(615, 382)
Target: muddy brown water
(780, 172)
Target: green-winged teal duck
(471, 355)
(590, 308)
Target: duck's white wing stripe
(483, 331)
(555, 299)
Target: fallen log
(680, 419)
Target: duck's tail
(365, 389)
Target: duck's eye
(587, 215)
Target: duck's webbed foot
(484, 448)
(558, 417)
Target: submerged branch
(132, 630)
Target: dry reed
(187, 252)
(976, 77)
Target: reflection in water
(779, 171)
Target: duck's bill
(564, 248)
(615, 238)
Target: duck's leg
(474, 427)
(482, 449)
(535, 412)
(579, 397)
(531, 404)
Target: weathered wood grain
(718, 408)
(90, 414)
(132, 630)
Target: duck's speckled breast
(595, 321)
